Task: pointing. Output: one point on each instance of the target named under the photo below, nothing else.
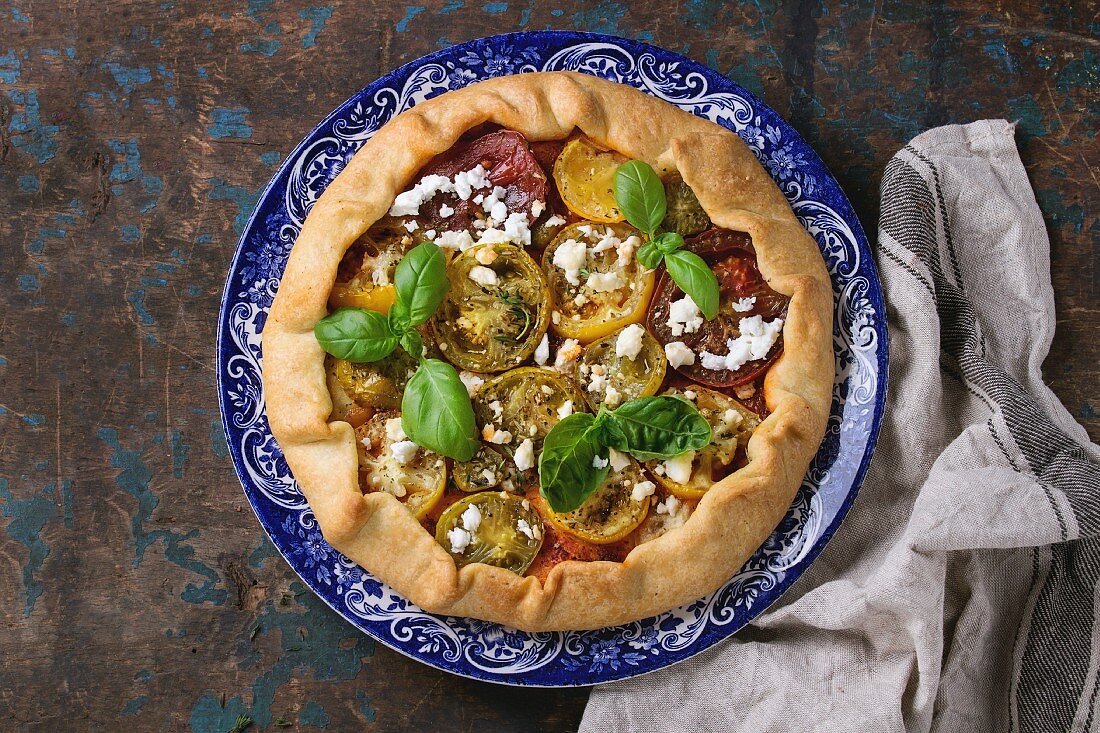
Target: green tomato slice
(526, 402)
(508, 531)
(601, 372)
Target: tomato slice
(610, 379)
(417, 482)
(731, 426)
(583, 312)
(365, 275)
(495, 324)
(511, 165)
(733, 259)
(490, 468)
(684, 214)
(609, 514)
(504, 531)
(527, 403)
(585, 174)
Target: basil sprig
(646, 428)
(435, 409)
(641, 198)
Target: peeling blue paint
(129, 170)
(266, 46)
(218, 443)
(28, 283)
(179, 454)
(29, 184)
(317, 16)
(451, 6)
(603, 18)
(411, 11)
(9, 68)
(136, 299)
(128, 78)
(29, 134)
(130, 232)
(229, 122)
(35, 419)
(242, 197)
(29, 517)
(495, 8)
(365, 708)
(133, 706)
(271, 157)
(313, 714)
(19, 16)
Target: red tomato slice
(733, 259)
(511, 165)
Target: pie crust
(733, 518)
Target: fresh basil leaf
(412, 343)
(668, 242)
(355, 334)
(640, 195)
(436, 412)
(658, 427)
(649, 256)
(566, 474)
(399, 318)
(694, 277)
(421, 281)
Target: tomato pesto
(533, 317)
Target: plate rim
(843, 208)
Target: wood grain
(140, 593)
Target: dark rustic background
(138, 590)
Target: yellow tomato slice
(417, 482)
(602, 372)
(585, 175)
(365, 275)
(355, 295)
(610, 513)
(584, 313)
(731, 424)
(505, 531)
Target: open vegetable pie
(549, 312)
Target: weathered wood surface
(138, 592)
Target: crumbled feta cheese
(483, 275)
(732, 418)
(497, 408)
(472, 381)
(744, 391)
(479, 198)
(537, 208)
(486, 255)
(446, 211)
(607, 241)
(642, 490)
(489, 475)
(605, 282)
(542, 351)
(678, 469)
(585, 229)
(619, 461)
(678, 354)
(394, 431)
(403, 451)
(555, 317)
(580, 300)
(555, 221)
(491, 434)
(379, 276)
(411, 226)
(467, 182)
(611, 397)
(629, 343)
(407, 203)
(567, 354)
(598, 383)
(684, 316)
(525, 455)
(564, 411)
(669, 506)
(471, 518)
(598, 462)
(755, 341)
(546, 389)
(365, 442)
(626, 249)
(524, 528)
(460, 540)
(744, 305)
(430, 234)
(460, 240)
(688, 394)
(570, 257)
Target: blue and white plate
(489, 651)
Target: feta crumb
(567, 354)
(446, 211)
(570, 257)
(407, 203)
(403, 451)
(466, 182)
(542, 351)
(626, 249)
(460, 240)
(472, 381)
(486, 255)
(678, 469)
(525, 455)
(554, 221)
(688, 394)
(537, 208)
(489, 475)
(611, 397)
(684, 316)
(744, 391)
(430, 234)
(365, 442)
(732, 417)
(524, 528)
(755, 341)
(678, 354)
(642, 490)
(565, 410)
(629, 343)
(744, 305)
(607, 241)
(580, 300)
(497, 408)
(491, 434)
(394, 431)
(379, 276)
(411, 226)
(471, 518)
(619, 461)
(460, 540)
(669, 506)
(605, 282)
(555, 317)
(546, 389)
(483, 275)
(598, 462)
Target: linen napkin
(960, 594)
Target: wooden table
(139, 592)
